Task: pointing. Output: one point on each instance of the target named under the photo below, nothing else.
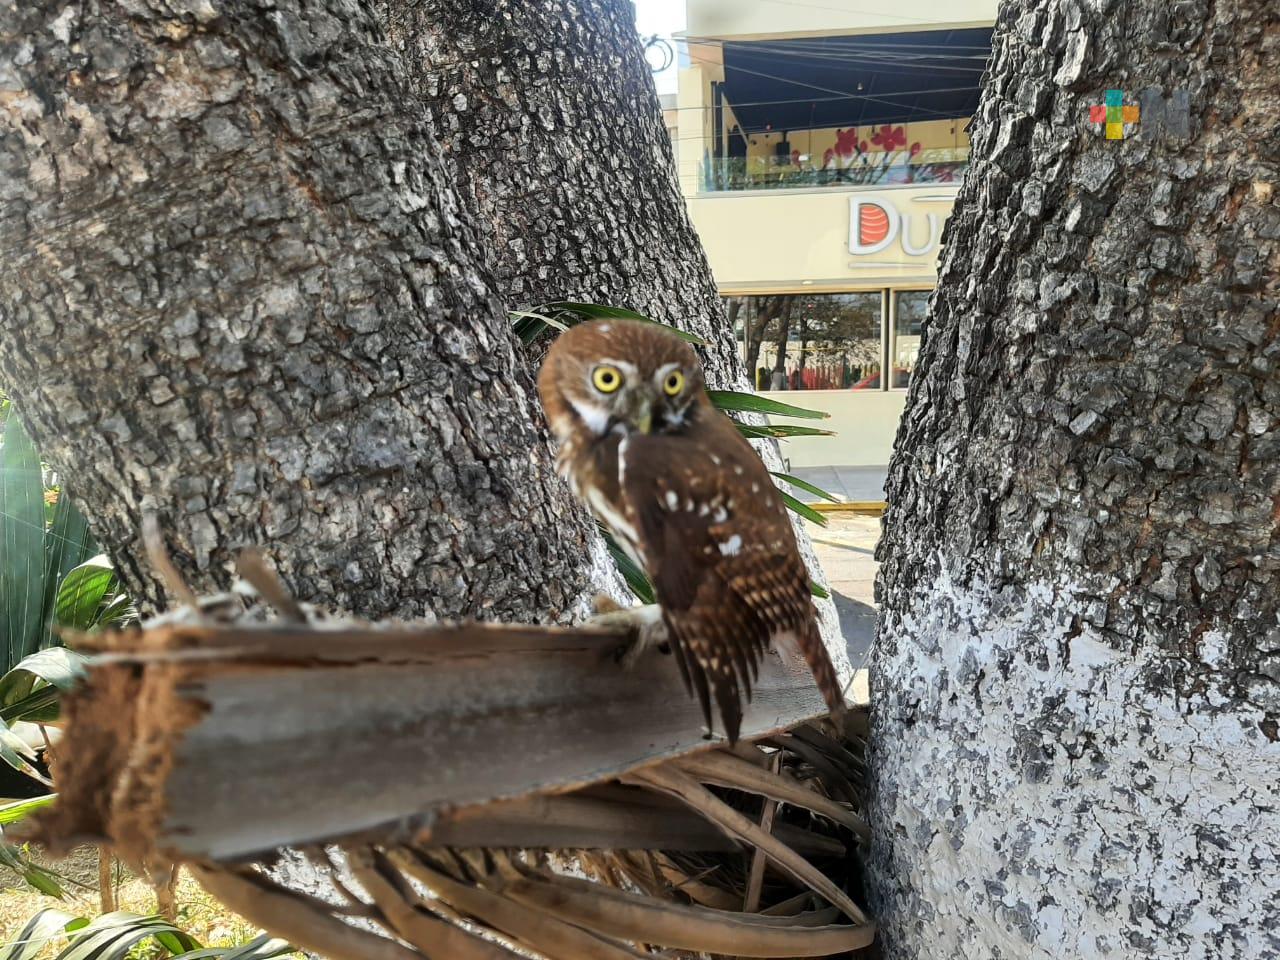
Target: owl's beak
(644, 417)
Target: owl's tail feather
(815, 655)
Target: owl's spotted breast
(720, 550)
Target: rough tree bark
(251, 229)
(238, 291)
(548, 115)
(1077, 680)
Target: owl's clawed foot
(644, 627)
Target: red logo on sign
(873, 224)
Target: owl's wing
(718, 546)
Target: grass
(198, 913)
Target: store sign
(876, 223)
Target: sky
(663, 17)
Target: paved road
(846, 550)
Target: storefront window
(908, 318)
(811, 341)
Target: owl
(689, 500)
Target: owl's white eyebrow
(664, 370)
(621, 365)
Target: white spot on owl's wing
(672, 500)
(721, 515)
(731, 546)
(604, 328)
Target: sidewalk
(843, 483)
(846, 550)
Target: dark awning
(814, 82)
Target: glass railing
(875, 169)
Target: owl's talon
(602, 603)
(645, 629)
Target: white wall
(752, 18)
(774, 241)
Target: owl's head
(619, 376)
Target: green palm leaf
(22, 557)
(736, 400)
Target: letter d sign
(873, 225)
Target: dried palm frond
(483, 791)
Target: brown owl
(689, 500)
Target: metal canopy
(855, 80)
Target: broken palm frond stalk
(453, 765)
(727, 770)
(206, 741)
(544, 932)
(671, 780)
(755, 879)
(297, 919)
(633, 917)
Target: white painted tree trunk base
(1057, 799)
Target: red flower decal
(890, 138)
(846, 142)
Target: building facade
(820, 151)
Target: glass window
(908, 319)
(799, 341)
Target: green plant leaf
(16, 810)
(540, 317)
(17, 753)
(68, 544)
(35, 935)
(117, 610)
(780, 431)
(42, 881)
(39, 706)
(806, 511)
(112, 935)
(805, 485)
(81, 593)
(22, 559)
(559, 314)
(261, 947)
(819, 591)
(635, 577)
(737, 400)
(598, 311)
(56, 665)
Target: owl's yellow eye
(606, 378)
(674, 383)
